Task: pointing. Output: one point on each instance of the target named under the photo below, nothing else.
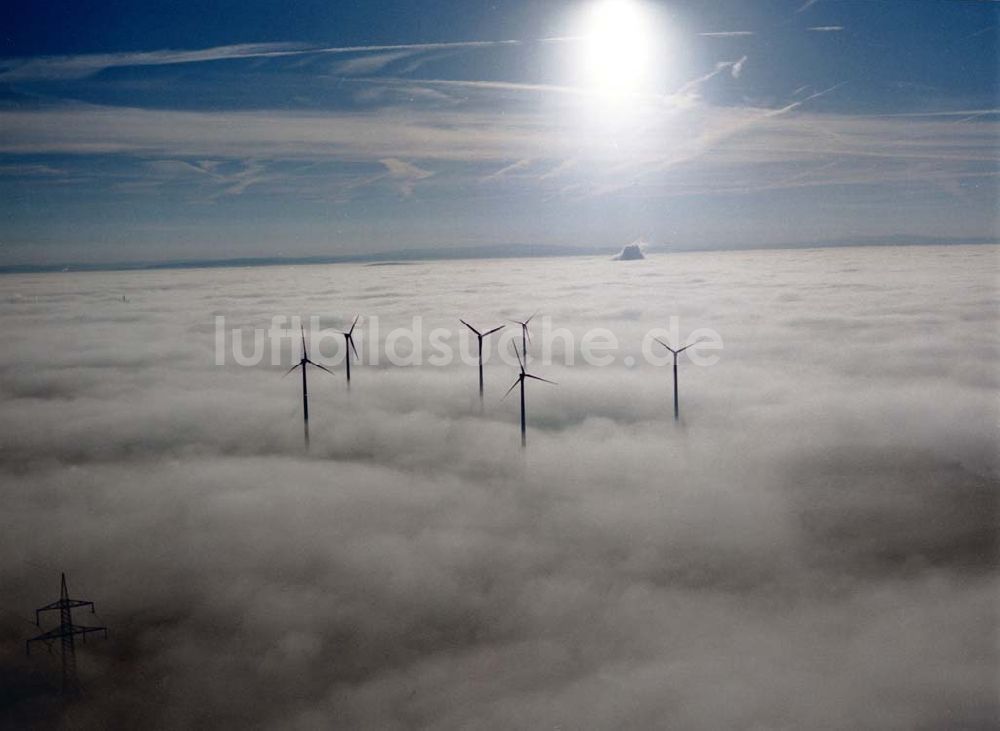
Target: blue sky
(163, 130)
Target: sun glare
(617, 47)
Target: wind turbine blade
(324, 368)
(511, 388)
(519, 361)
(539, 378)
(305, 353)
(470, 327)
(690, 344)
(292, 369)
(530, 318)
(527, 332)
(490, 332)
(356, 318)
(350, 341)
(667, 346)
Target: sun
(616, 48)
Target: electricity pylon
(65, 632)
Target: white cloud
(813, 546)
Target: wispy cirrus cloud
(454, 121)
(683, 95)
(461, 134)
(404, 174)
(559, 169)
(737, 68)
(482, 85)
(796, 104)
(507, 169)
(82, 65)
(690, 88)
(30, 170)
(369, 64)
(207, 180)
(946, 113)
(826, 28)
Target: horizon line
(469, 253)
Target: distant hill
(630, 252)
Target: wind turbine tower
(520, 382)
(303, 362)
(525, 335)
(479, 337)
(677, 412)
(348, 347)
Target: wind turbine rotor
(478, 334)
(515, 385)
(324, 368)
(675, 352)
(518, 355)
(539, 378)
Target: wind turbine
(480, 336)
(677, 413)
(305, 388)
(525, 336)
(520, 381)
(348, 347)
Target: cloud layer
(814, 545)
